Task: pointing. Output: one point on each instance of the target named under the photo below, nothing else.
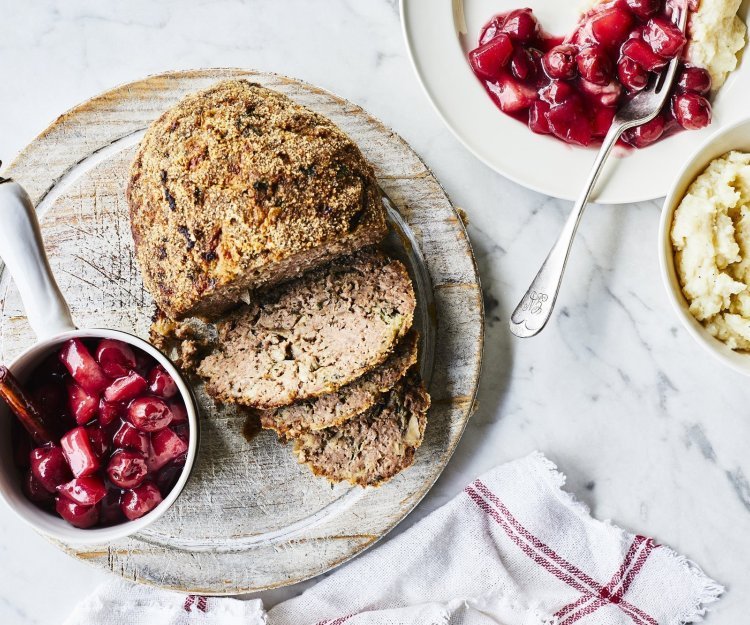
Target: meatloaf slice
(237, 188)
(312, 335)
(372, 447)
(353, 399)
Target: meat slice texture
(312, 335)
(353, 399)
(374, 446)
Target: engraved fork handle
(535, 309)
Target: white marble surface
(651, 433)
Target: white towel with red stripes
(512, 549)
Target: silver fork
(535, 309)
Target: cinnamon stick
(23, 407)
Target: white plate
(440, 33)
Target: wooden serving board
(250, 518)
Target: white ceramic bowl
(10, 478)
(22, 250)
(734, 137)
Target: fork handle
(535, 309)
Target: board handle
(22, 250)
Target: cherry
(140, 500)
(127, 468)
(179, 412)
(594, 65)
(109, 508)
(82, 366)
(129, 437)
(522, 65)
(568, 121)
(557, 92)
(573, 90)
(34, 490)
(640, 52)
(168, 476)
(83, 405)
(126, 388)
(108, 413)
(537, 58)
(165, 447)
(76, 514)
(488, 60)
(49, 467)
(604, 95)
(111, 396)
(602, 121)
(182, 430)
(78, 452)
(692, 111)
(143, 363)
(645, 134)
(511, 95)
(161, 384)
(99, 440)
(633, 76)
(538, 121)
(149, 414)
(116, 358)
(664, 37)
(560, 62)
(695, 79)
(491, 29)
(87, 491)
(644, 8)
(521, 25)
(611, 27)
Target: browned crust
(237, 188)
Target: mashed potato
(711, 240)
(717, 35)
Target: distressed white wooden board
(250, 518)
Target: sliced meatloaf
(312, 335)
(353, 399)
(237, 188)
(372, 447)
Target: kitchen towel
(512, 549)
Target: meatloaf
(372, 447)
(237, 188)
(312, 335)
(353, 399)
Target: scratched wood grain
(250, 517)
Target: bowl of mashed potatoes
(704, 246)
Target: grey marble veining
(651, 432)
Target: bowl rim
(55, 527)
(693, 166)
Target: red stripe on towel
(187, 606)
(338, 621)
(593, 594)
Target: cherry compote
(571, 88)
(121, 434)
